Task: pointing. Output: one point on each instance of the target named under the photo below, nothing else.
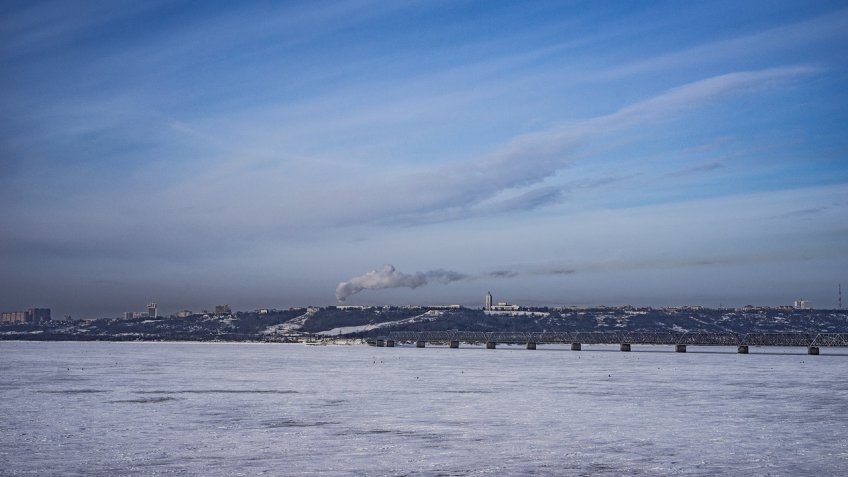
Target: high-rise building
(14, 317)
(488, 301)
(151, 310)
(32, 315)
(39, 315)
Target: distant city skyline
(265, 155)
(487, 303)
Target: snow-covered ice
(245, 409)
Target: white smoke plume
(388, 277)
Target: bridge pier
(575, 346)
(624, 347)
(390, 343)
(681, 348)
(813, 350)
(454, 344)
(490, 345)
(531, 345)
(742, 349)
(420, 344)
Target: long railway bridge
(625, 339)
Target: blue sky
(261, 153)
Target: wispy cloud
(529, 159)
(696, 94)
(807, 212)
(706, 167)
(43, 25)
(293, 197)
(821, 29)
(503, 274)
(710, 146)
(508, 179)
(615, 266)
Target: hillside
(297, 323)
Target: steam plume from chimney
(388, 277)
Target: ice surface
(248, 409)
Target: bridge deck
(630, 337)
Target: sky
(277, 154)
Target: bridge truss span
(674, 338)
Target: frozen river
(247, 409)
